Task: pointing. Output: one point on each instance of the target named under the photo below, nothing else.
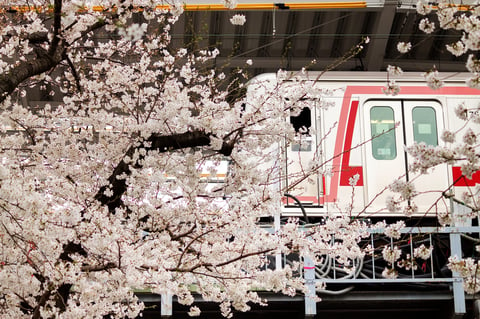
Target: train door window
(302, 124)
(424, 125)
(382, 124)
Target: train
(359, 134)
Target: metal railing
(366, 272)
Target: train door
(394, 125)
(299, 155)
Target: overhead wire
(290, 36)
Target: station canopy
(316, 34)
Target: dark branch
(95, 268)
(226, 262)
(164, 143)
(74, 73)
(24, 70)
(57, 25)
(41, 302)
(38, 37)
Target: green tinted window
(424, 125)
(382, 124)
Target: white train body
(342, 139)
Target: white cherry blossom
(391, 254)
(404, 47)
(423, 7)
(238, 19)
(105, 189)
(391, 88)
(426, 26)
(433, 79)
(423, 252)
(457, 49)
(230, 4)
(394, 70)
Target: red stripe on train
(461, 180)
(349, 171)
(311, 199)
(332, 192)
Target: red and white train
(359, 111)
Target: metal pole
(458, 294)
(310, 296)
(166, 306)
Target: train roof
(346, 76)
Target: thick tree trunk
(44, 61)
(11, 80)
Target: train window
(424, 125)
(382, 124)
(302, 123)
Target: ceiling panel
(291, 39)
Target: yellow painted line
(240, 6)
(327, 5)
(271, 6)
(217, 7)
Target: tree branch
(226, 262)
(57, 25)
(38, 37)
(74, 73)
(94, 268)
(24, 70)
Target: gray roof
(289, 38)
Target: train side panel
(358, 143)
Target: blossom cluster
(394, 230)
(454, 17)
(469, 270)
(391, 254)
(238, 19)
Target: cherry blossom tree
(461, 145)
(146, 170)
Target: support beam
(310, 295)
(266, 33)
(166, 306)
(277, 224)
(458, 293)
(378, 45)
